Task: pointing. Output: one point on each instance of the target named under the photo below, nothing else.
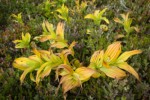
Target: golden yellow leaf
(29, 69)
(84, 73)
(117, 20)
(112, 52)
(128, 68)
(60, 31)
(69, 82)
(123, 57)
(32, 77)
(59, 45)
(113, 72)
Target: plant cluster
(72, 72)
(65, 43)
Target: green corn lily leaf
(48, 32)
(24, 43)
(32, 77)
(97, 17)
(63, 13)
(126, 22)
(56, 39)
(18, 18)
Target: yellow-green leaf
(32, 77)
(63, 70)
(40, 71)
(90, 16)
(59, 45)
(60, 31)
(28, 70)
(19, 66)
(84, 73)
(24, 62)
(105, 19)
(69, 82)
(44, 38)
(128, 68)
(36, 58)
(24, 43)
(113, 72)
(123, 57)
(97, 59)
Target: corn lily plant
(97, 17)
(73, 78)
(72, 73)
(63, 11)
(111, 62)
(56, 38)
(24, 43)
(28, 65)
(18, 18)
(43, 62)
(126, 22)
(80, 7)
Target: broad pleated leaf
(63, 70)
(113, 72)
(49, 27)
(38, 76)
(29, 69)
(43, 54)
(84, 73)
(123, 57)
(126, 22)
(22, 63)
(20, 67)
(60, 31)
(102, 12)
(63, 12)
(90, 16)
(112, 52)
(59, 45)
(28, 65)
(32, 77)
(96, 60)
(105, 19)
(97, 16)
(128, 68)
(97, 56)
(24, 43)
(36, 58)
(44, 38)
(69, 82)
